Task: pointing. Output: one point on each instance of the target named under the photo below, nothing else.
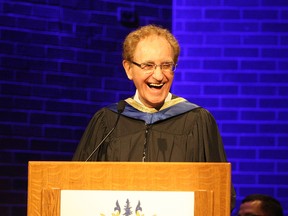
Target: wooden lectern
(211, 182)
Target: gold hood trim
(143, 108)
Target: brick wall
(235, 63)
(60, 62)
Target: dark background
(60, 61)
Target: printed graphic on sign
(126, 203)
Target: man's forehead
(252, 207)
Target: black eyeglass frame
(155, 66)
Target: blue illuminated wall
(234, 62)
(60, 61)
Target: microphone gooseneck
(120, 108)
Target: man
(153, 125)
(260, 205)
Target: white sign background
(102, 203)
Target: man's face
(153, 87)
(252, 208)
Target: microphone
(120, 108)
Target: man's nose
(158, 74)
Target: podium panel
(211, 182)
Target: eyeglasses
(150, 67)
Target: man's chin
(156, 104)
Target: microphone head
(121, 106)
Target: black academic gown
(179, 132)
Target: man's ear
(127, 66)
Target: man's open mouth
(154, 85)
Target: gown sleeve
(213, 145)
(212, 141)
(94, 133)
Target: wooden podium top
(46, 179)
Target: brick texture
(60, 61)
(234, 63)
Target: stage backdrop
(60, 61)
(234, 62)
